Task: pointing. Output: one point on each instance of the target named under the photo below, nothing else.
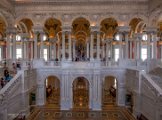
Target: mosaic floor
(115, 113)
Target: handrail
(4, 91)
(159, 90)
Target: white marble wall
(67, 75)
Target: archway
(109, 91)
(109, 28)
(81, 32)
(53, 36)
(80, 93)
(52, 91)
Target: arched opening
(24, 35)
(138, 47)
(52, 91)
(52, 39)
(81, 32)
(110, 45)
(80, 93)
(109, 91)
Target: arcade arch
(52, 85)
(109, 91)
(81, 33)
(81, 93)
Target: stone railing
(151, 83)
(11, 87)
(132, 80)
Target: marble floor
(111, 113)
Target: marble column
(63, 45)
(130, 42)
(69, 41)
(154, 46)
(92, 46)
(74, 49)
(54, 50)
(41, 46)
(126, 45)
(35, 45)
(107, 50)
(8, 45)
(148, 47)
(22, 47)
(120, 48)
(137, 48)
(87, 49)
(103, 51)
(14, 46)
(58, 50)
(98, 45)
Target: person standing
(2, 83)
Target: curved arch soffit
(83, 77)
(138, 25)
(24, 17)
(78, 17)
(26, 30)
(46, 19)
(107, 17)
